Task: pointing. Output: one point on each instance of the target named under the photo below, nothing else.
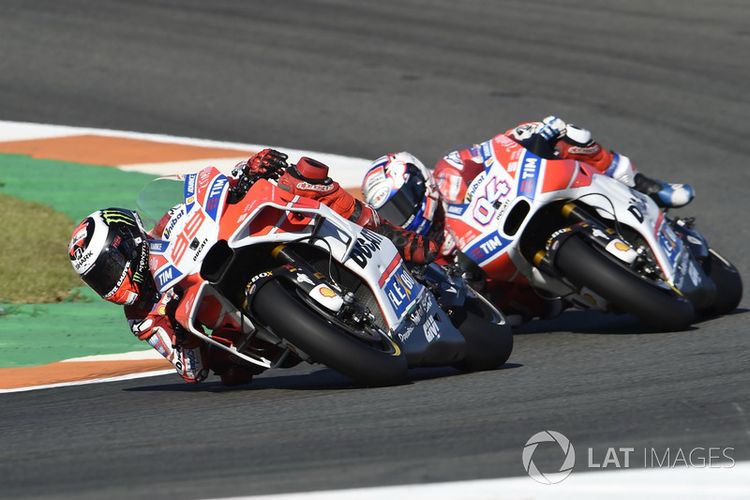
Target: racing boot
(234, 375)
(663, 193)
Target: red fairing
(564, 174)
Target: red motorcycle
(276, 279)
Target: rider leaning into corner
(406, 193)
(110, 251)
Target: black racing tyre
(584, 265)
(728, 285)
(488, 344)
(280, 309)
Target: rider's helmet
(109, 250)
(402, 190)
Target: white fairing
(639, 212)
(369, 255)
(479, 223)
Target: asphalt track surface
(663, 81)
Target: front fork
(331, 300)
(587, 226)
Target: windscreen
(157, 197)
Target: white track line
(118, 378)
(144, 355)
(347, 170)
(625, 484)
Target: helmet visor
(407, 201)
(108, 272)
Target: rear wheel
(585, 266)
(376, 362)
(728, 285)
(488, 344)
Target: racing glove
(268, 163)
(184, 351)
(551, 128)
(413, 247)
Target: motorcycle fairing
(371, 256)
(192, 229)
(514, 175)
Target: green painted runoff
(32, 334)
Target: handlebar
(245, 182)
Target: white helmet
(402, 190)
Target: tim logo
(529, 175)
(166, 276)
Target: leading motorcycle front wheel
(585, 266)
(488, 342)
(728, 285)
(279, 307)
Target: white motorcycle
(275, 279)
(570, 232)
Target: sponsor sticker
(487, 247)
(214, 196)
(368, 243)
(529, 175)
(157, 246)
(670, 242)
(190, 191)
(176, 216)
(380, 196)
(457, 209)
(401, 290)
(166, 276)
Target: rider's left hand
(552, 128)
(268, 162)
